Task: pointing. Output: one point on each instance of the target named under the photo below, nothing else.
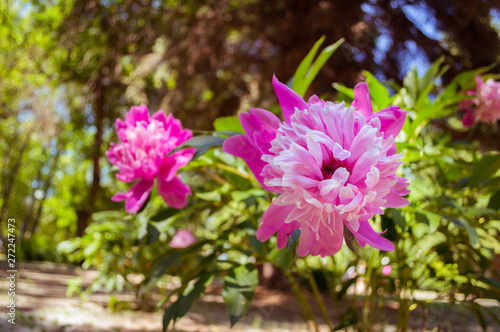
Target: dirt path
(42, 305)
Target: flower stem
(319, 299)
(306, 309)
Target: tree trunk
(85, 213)
(10, 182)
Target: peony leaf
(378, 92)
(484, 169)
(239, 289)
(202, 144)
(317, 65)
(304, 66)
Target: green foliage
(239, 287)
(307, 70)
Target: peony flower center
(329, 169)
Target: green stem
(225, 167)
(306, 309)
(331, 287)
(319, 299)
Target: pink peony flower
(142, 155)
(386, 270)
(333, 167)
(182, 239)
(486, 106)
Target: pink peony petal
(362, 101)
(366, 235)
(160, 116)
(136, 196)
(240, 146)
(174, 192)
(136, 114)
(289, 100)
(479, 82)
(272, 220)
(392, 120)
(172, 163)
(284, 233)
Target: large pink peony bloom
(486, 106)
(182, 239)
(143, 154)
(334, 167)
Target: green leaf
(433, 219)
(180, 307)
(462, 222)
(292, 239)
(410, 82)
(239, 288)
(484, 169)
(431, 75)
(350, 240)
(378, 92)
(305, 64)
(164, 214)
(228, 124)
(227, 133)
(153, 234)
(202, 144)
(427, 82)
(160, 266)
(494, 202)
(495, 284)
(345, 90)
(282, 258)
(191, 294)
(438, 109)
(316, 66)
(170, 315)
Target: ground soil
(42, 304)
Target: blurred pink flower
(182, 239)
(486, 106)
(386, 270)
(333, 166)
(142, 155)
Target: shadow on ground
(42, 305)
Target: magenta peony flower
(486, 106)
(333, 167)
(182, 239)
(143, 154)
